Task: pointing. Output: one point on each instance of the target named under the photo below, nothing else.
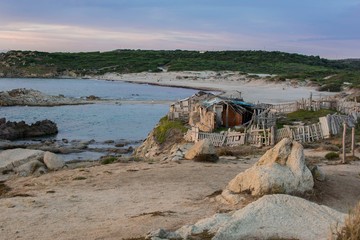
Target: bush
(351, 230)
(165, 126)
(108, 160)
(332, 156)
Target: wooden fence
(305, 104)
(327, 126)
(253, 136)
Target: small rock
(231, 198)
(28, 168)
(53, 161)
(317, 173)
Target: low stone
(162, 234)
(317, 173)
(211, 224)
(231, 198)
(40, 171)
(14, 158)
(29, 168)
(53, 161)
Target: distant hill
(329, 73)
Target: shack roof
(218, 100)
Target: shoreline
(253, 89)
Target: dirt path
(128, 200)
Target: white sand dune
(253, 89)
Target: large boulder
(11, 159)
(281, 217)
(53, 161)
(270, 217)
(281, 169)
(202, 151)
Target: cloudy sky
(329, 28)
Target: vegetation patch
(156, 214)
(351, 230)
(206, 158)
(164, 128)
(332, 156)
(4, 188)
(79, 178)
(304, 116)
(108, 160)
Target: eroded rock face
(276, 216)
(17, 130)
(281, 169)
(202, 151)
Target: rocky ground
(127, 200)
(30, 97)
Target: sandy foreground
(253, 90)
(126, 200)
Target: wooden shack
(181, 109)
(220, 112)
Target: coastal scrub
(165, 127)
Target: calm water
(97, 121)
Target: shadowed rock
(17, 130)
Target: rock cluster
(281, 169)
(30, 97)
(17, 130)
(276, 216)
(25, 162)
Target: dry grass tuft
(4, 188)
(351, 230)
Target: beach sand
(253, 90)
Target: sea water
(101, 122)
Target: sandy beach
(253, 89)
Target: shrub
(108, 160)
(165, 126)
(332, 156)
(351, 230)
(206, 158)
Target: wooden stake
(227, 116)
(352, 141)
(343, 143)
(273, 132)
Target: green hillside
(329, 73)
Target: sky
(326, 28)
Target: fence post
(353, 141)
(273, 132)
(196, 134)
(343, 143)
